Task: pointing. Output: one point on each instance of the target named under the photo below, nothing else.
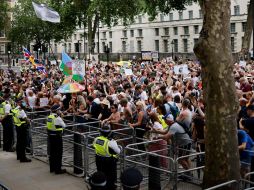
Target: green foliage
(26, 27)
(4, 19)
(153, 7)
(112, 11)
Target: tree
(109, 12)
(27, 28)
(249, 28)
(214, 52)
(4, 18)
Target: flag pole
(53, 54)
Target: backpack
(174, 110)
(185, 127)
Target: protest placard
(44, 102)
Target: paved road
(34, 176)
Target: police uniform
(55, 126)
(7, 123)
(107, 152)
(131, 179)
(21, 124)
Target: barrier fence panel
(3, 187)
(153, 162)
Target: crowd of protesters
(154, 98)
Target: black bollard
(154, 181)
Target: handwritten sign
(181, 69)
(44, 102)
(128, 72)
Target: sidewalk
(34, 176)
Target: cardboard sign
(128, 72)
(146, 55)
(44, 102)
(181, 69)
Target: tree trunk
(92, 27)
(249, 28)
(214, 52)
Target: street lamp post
(172, 44)
(38, 53)
(9, 61)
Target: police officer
(107, 152)
(131, 179)
(55, 125)
(7, 122)
(21, 123)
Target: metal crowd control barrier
(3, 187)
(73, 143)
(123, 137)
(166, 165)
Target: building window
(104, 35)
(237, 10)
(175, 31)
(190, 14)
(165, 44)
(56, 47)
(157, 31)
(139, 19)
(110, 47)
(157, 45)
(232, 27)
(186, 30)
(125, 33)
(75, 36)
(185, 45)
(195, 41)
(65, 47)
(110, 34)
(232, 44)
(140, 33)
(175, 45)
(69, 48)
(139, 46)
(132, 33)
(161, 17)
(103, 44)
(200, 14)
(171, 16)
(166, 31)
(244, 24)
(2, 34)
(180, 15)
(124, 46)
(196, 29)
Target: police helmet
(98, 180)
(105, 130)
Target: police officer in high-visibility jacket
(107, 151)
(7, 122)
(21, 123)
(55, 125)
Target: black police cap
(98, 179)
(131, 178)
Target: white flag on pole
(45, 13)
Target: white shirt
(143, 96)
(7, 108)
(113, 145)
(59, 121)
(22, 113)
